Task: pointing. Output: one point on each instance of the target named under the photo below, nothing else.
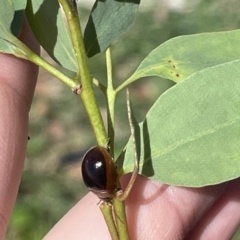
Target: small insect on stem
(99, 171)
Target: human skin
(154, 210)
(157, 211)
(17, 84)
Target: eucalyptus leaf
(48, 24)
(19, 7)
(182, 56)
(8, 42)
(191, 135)
(6, 14)
(109, 20)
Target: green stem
(121, 220)
(106, 210)
(118, 206)
(48, 67)
(110, 100)
(75, 31)
(27, 53)
(126, 83)
(87, 94)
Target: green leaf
(16, 25)
(8, 43)
(182, 56)
(109, 20)
(48, 24)
(191, 136)
(6, 14)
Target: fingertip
(84, 221)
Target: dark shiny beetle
(99, 173)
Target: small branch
(120, 216)
(75, 31)
(48, 67)
(87, 95)
(106, 210)
(33, 57)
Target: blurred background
(59, 128)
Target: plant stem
(126, 83)
(107, 212)
(87, 94)
(48, 67)
(121, 220)
(110, 100)
(33, 57)
(118, 206)
(74, 28)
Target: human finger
(159, 211)
(17, 81)
(154, 211)
(223, 218)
